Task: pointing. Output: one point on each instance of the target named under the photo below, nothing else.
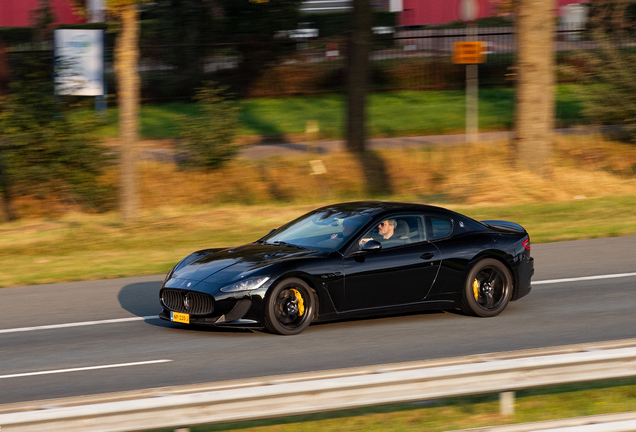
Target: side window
(438, 227)
(396, 231)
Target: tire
(488, 289)
(290, 307)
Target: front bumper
(221, 321)
(201, 308)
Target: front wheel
(290, 307)
(488, 289)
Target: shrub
(209, 137)
(47, 148)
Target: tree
(126, 66)
(359, 48)
(5, 74)
(181, 34)
(127, 72)
(608, 71)
(46, 147)
(534, 105)
(254, 27)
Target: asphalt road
(118, 356)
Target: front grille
(197, 303)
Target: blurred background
(279, 72)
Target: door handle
(427, 255)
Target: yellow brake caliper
(301, 302)
(476, 288)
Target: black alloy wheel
(488, 288)
(290, 307)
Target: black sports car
(353, 260)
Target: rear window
(438, 227)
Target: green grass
(390, 114)
(78, 247)
(156, 121)
(457, 413)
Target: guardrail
(327, 391)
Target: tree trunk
(534, 108)
(358, 74)
(127, 58)
(5, 72)
(5, 194)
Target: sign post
(470, 53)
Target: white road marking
(82, 369)
(583, 278)
(78, 324)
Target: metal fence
(400, 59)
(295, 64)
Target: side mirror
(371, 245)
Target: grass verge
(550, 403)
(390, 114)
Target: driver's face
(384, 227)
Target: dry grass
(464, 175)
(470, 174)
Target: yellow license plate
(180, 317)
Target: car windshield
(323, 230)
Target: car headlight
(246, 285)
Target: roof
(373, 208)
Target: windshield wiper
(282, 243)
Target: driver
(386, 230)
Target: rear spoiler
(505, 226)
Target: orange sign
(469, 52)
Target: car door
(396, 275)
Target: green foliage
(337, 24)
(16, 35)
(209, 136)
(258, 20)
(179, 33)
(42, 19)
(610, 97)
(46, 150)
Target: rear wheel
(487, 289)
(290, 307)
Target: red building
(17, 13)
(423, 12)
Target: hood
(504, 226)
(235, 261)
